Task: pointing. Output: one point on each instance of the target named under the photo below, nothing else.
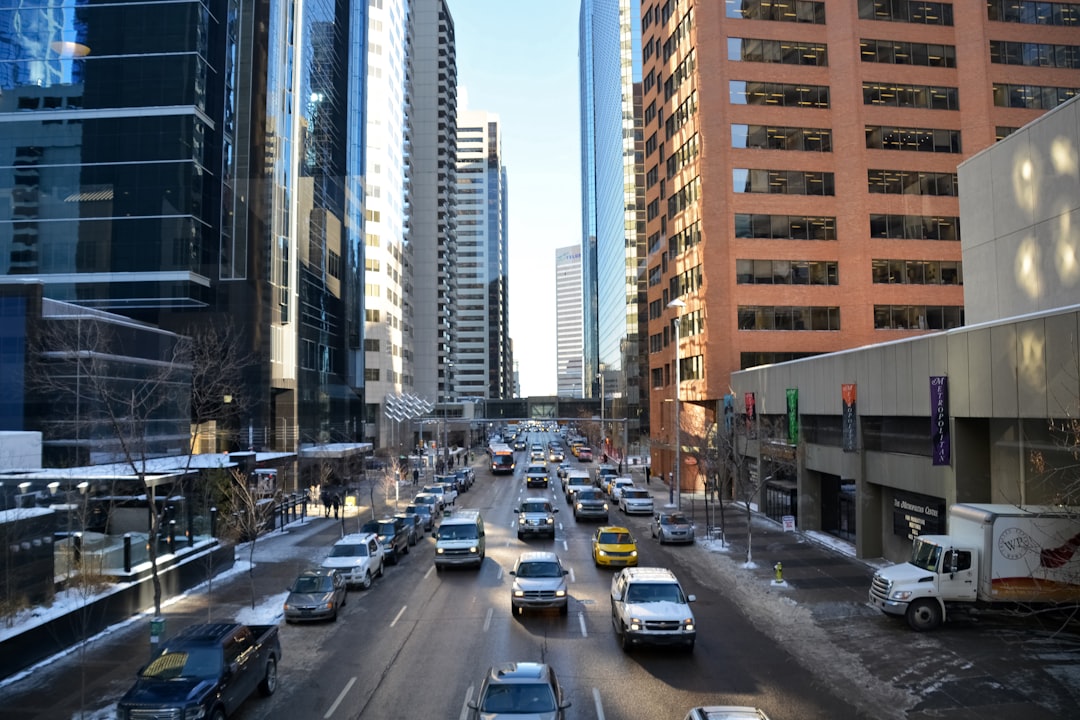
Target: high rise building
(612, 173)
(388, 368)
(433, 291)
(568, 321)
(185, 164)
(800, 163)
(483, 358)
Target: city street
(417, 643)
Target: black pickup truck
(205, 671)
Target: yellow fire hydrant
(779, 568)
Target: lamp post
(678, 305)
(603, 437)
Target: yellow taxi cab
(614, 546)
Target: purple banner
(939, 419)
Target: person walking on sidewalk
(337, 504)
(324, 498)
(415, 476)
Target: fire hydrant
(779, 568)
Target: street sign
(789, 523)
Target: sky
(519, 60)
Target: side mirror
(473, 706)
(555, 510)
(565, 571)
(564, 704)
(516, 511)
(691, 598)
(511, 573)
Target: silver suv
(648, 606)
(536, 516)
(519, 690)
(539, 583)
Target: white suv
(648, 606)
(358, 557)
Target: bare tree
(244, 514)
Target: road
(418, 642)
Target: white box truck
(992, 554)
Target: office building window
(681, 115)
(684, 197)
(1032, 97)
(691, 368)
(915, 227)
(894, 52)
(796, 11)
(768, 317)
(917, 272)
(1035, 54)
(929, 97)
(685, 239)
(680, 74)
(743, 92)
(1003, 131)
(782, 182)
(907, 11)
(784, 227)
(1032, 12)
(771, 137)
(883, 137)
(682, 157)
(753, 359)
(918, 317)
(783, 52)
(680, 33)
(911, 182)
(787, 272)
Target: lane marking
(581, 622)
(599, 705)
(429, 571)
(571, 574)
(487, 618)
(565, 545)
(498, 575)
(398, 616)
(465, 705)
(340, 697)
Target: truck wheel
(365, 584)
(564, 609)
(624, 639)
(924, 615)
(218, 714)
(269, 681)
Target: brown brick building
(800, 159)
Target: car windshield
(192, 663)
(539, 569)
(434, 490)
(349, 550)
(370, 527)
(535, 507)
(654, 592)
(519, 698)
(615, 538)
(925, 555)
(674, 520)
(635, 493)
(587, 495)
(313, 584)
(457, 532)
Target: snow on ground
(268, 612)
(106, 713)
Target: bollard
(127, 552)
(779, 568)
(303, 508)
(76, 549)
(172, 536)
(213, 522)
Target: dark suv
(393, 535)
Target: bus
(502, 460)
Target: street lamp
(679, 305)
(603, 436)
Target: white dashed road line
(398, 616)
(487, 619)
(340, 697)
(581, 622)
(599, 705)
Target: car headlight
(439, 551)
(195, 713)
(901, 595)
(605, 506)
(635, 624)
(472, 549)
(560, 593)
(601, 552)
(551, 521)
(519, 593)
(579, 506)
(633, 553)
(286, 606)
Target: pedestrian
(324, 498)
(337, 505)
(415, 476)
(648, 474)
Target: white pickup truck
(649, 607)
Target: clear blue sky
(519, 60)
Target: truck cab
(940, 571)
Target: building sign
(939, 420)
(915, 515)
(793, 415)
(850, 434)
(751, 409)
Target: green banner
(793, 415)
